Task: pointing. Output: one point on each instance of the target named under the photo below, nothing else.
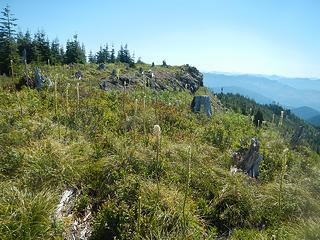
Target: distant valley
(302, 95)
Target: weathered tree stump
(249, 160)
(202, 104)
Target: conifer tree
(8, 45)
(42, 47)
(100, 55)
(112, 55)
(106, 54)
(121, 57)
(103, 55)
(74, 52)
(125, 56)
(24, 44)
(92, 58)
(55, 57)
(258, 118)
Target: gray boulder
(202, 103)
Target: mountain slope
(314, 120)
(291, 122)
(78, 162)
(308, 114)
(279, 92)
(305, 112)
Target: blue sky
(246, 36)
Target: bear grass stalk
(157, 134)
(12, 78)
(282, 174)
(67, 97)
(56, 106)
(281, 118)
(188, 171)
(78, 95)
(139, 215)
(144, 119)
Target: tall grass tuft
(78, 95)
(67, 97)
(56, 106)
(26, 215)
(188, 172)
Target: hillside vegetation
(240, 104)
(131, 182)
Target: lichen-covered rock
(191, 78)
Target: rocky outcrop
(192, 78)
(165, 78)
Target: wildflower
(157, 131)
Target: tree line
(38, 49)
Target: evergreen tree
(121, 57)
(62, 54)
(103, 55)
(106, 54)
(42, 47)
(258, 117)
(92, 58)
(113, 55)
(74, 52)
(55, 57)
(139, 61)
(8, 45)
(100, 55)
(164, 63)
(124, 55)
(24, 43)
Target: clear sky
(246, 36)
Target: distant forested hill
(308, 114)
(243, 105)
(291, 93)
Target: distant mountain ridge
(308, 114)
(244, 92)
(289, 92)
(315, 120)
